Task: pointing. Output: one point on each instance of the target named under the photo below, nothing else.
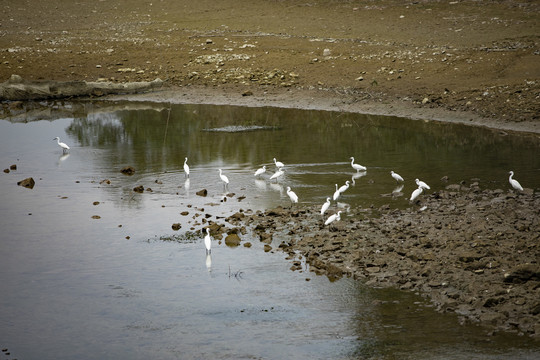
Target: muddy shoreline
(325, 100)
(471, 251)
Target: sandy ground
(470, 61)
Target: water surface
(125, 285)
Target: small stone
(128, 170)
(326, 52)
(96, 217)
(232, 240)
(139, 189)
(425, 101)
(13, 167)
(27, 183)
(202, 192)
(176, 226)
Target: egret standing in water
(260, 171)
(396, 176)
(515, 184)
(208, 241)
(279, 164)
(223, 178)
(186, 168)
(61, 144)
(336, 194)
(345, 187)
(292, 195)
(333, 218)
(325, 206)
(416, 193)
(422, 184)
(277, 174)
(357, 167)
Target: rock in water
(128, 170)
(232, 240)
(202, 192)
(27, 183)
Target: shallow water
(122, 286)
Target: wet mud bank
(471, 251)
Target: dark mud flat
(471, 251)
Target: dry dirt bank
(474, 57)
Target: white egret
(357, 167)
(277, 174)
(292, 195)
(336, 194)
(325, 206)
(186, 168)
(223, 178)
(260, 171)
(208, 241)
(345, 187)
(416, 193)
(515, 184)
(279, 164)
(61, 144)
(422, 184)
(333, 218)
(396, 176)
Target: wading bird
(515, 184)
(277, 174)
(279, 164)
(356, 166)
(223, 178)
(416, 193)
(208, 241)
(325, 206)
(422, 184)
(336, 194)
(292, 195)
(61, 144)
(396, 176)
(186, 168)
(260, 171)
(345, 187)
(333, 218)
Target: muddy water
(125, 285)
